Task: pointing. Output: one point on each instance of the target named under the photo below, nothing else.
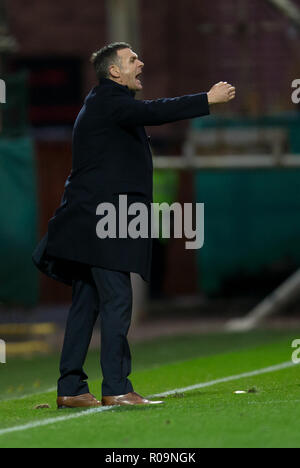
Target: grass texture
(267, 415)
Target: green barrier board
(18, 228)
(251, 222)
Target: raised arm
(128, 111)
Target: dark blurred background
(243, 161)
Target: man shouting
(111, 156)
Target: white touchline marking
(266, 370)
(46, 422)
(28, 395)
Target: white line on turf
(46, 422)
(266, 370)
(28, 395)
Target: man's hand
(221, 92)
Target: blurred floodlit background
(243, 161)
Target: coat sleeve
(125, 110)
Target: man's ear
(114, 70)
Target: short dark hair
(105, 57)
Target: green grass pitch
(205, 417)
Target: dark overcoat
(111, 156)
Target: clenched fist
(221, 92)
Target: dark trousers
(108, 294)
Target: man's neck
(119, 82)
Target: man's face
(130, 69)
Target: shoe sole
(133, 404)
(78, 407)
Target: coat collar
(108, 82)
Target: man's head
(119, 63)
